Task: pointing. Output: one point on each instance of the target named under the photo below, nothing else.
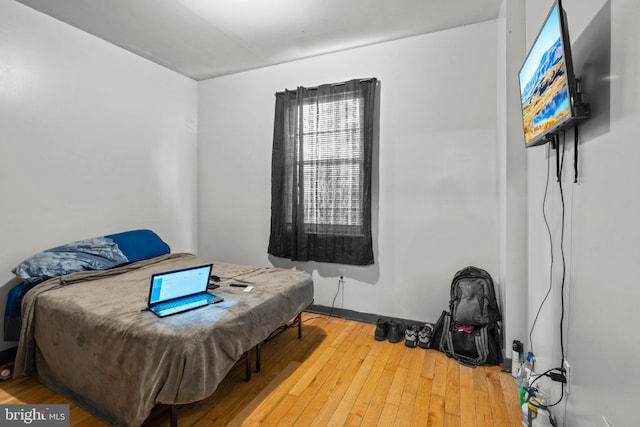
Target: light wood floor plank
(451, 420)
(311, 371)
(414, 369)
(483, 409)
(348, 352)
(452, 393)
(309, 394)
(405, 409)
(397, 386)
(336, 375)
(428, 364)
(435, 417)
(345, 405)
(388, 415)
(353, 421)
(423, 398)
(263, 405)
(370, 386)
(467, 397)
(377, 403)
(338, 393)
(394, 360)
(440, 371)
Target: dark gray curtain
(321, 173)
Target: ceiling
(202, 39)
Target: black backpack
(473, 298)
(471, 332)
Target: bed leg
(258, 359)
(173, 416)
(299, 318)
(247, 367)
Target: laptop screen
(179, 283)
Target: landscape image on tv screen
(543, 83)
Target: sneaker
(395, 331)
(424, 336)
(411, 336)
(382, 330)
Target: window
(332, 166)
(321, 173)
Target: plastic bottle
(542, 418)
(525, 369)
(535, 414)
(523, 390)
(528, 413)
(516, 358)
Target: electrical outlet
(605, 422)
(567, 375)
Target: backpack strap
(482, 345)
(445, 337)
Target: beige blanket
(87, 335)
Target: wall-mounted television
(550, 98)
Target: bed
(88, 336)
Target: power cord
(340, 286)
(333, 303)
(556, 374)
(564, 262)
(546, 223)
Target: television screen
(547, 84)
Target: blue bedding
(97, 253)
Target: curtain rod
(334, 84)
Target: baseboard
(357, 316)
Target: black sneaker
(411, 336)
(382, 330)
(424, 336)
(395, 331)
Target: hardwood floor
(336, 375)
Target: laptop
(177, 291)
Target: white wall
(512, 169)
(602, 211)
(437, 202)
(93, 140)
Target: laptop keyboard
(182, 304)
